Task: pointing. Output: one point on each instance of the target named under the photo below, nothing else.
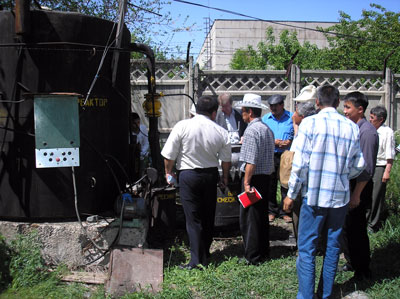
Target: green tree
(364, 44)
(270, 55)
(147, 20)
(353, 45)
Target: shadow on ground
(385, 265)
(227, 243)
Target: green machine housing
(57, 139)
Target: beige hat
(251, 100)
(308, 93)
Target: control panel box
(57, 138)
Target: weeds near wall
(5, 258)
(27, 267)
(393, 187)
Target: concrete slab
(67, 243)
(135, 269)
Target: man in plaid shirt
(327, 155)
(257, 155)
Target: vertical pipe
(22, 19)
(154, 134)
(118, 39)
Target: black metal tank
(62, 52)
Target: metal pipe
(154, 134)
(22, 17)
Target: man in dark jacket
(230, 118)
(355, 237)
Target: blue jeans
(313, 222)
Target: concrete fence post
(191, 80)
(389, 96)
(295, 84)
(196, 82)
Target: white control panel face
(57, 157)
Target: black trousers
(355, 239)
(273, 207)
(254, 224)
(198, 193)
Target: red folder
(248, 199)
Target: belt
(235, 149)
(209, 169)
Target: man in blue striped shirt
(327, 155)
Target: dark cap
(275, 99)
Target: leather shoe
(188, 267)
(271, 217)
(362, 275)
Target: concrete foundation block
(67, 243)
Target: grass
(227, 276)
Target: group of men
(332, 178)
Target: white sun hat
(251, 100)
(307, 94)
(192, 110)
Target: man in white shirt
(384, 162)
(196, 145)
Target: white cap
(192, 110)
(308, 93)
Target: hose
(77, 211)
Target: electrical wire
(101, 64)
(106, 162)
(144, 9)
(17, 131)
(180, 94)
(119, 165)
(11, 101)
(92, 47)
(13, 96)
(109, 44)
(116, 238)
(77, 212)
(288, 25)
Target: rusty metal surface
(22, 17)
(135, 269)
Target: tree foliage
(270, 55)
(354, 45)
(148, 20)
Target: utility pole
(118, 39)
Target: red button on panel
(57, 159)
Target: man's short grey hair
(306, 109)
(379, 112)
(225, 98)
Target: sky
(184, 15)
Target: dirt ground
(227, 241)
(282, 241)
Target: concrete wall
(227, 36)
(66, 243)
